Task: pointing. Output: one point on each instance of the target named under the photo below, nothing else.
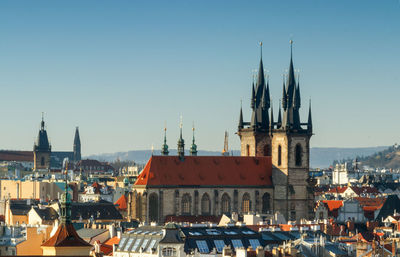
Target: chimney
(111, 228)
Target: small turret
(193, 147)
(164, 148)
(181, 143)
(240, 126)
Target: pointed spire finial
(309, 123)
(42, 123)
(261, 49)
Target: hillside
(387, 158)
(320, 157)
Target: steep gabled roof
(206, 171)
(66, 236)
(121, 203)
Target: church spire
(193, 148)
(284, 96)
(279, 123)
(181, 143)
(253, 96)
(271, 122)
(309, 123)
(77, 146)
(240, 126)
(164, 148)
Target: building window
(298, 155)
(169, 251)
(248, 150)
(186, 201)
(226, 204)
(153, 207)
(279, 155)
(205, 204)
(42, 161)
(202, 246)
(246, 204)
(266, 203)
(321, 215)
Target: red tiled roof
(121, 203)
(66, 236)
(337, 190)
(22, 156)
(333, 204)
(112, 241)
(206, 170)
(365, 190)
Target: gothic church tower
(255, 136)
(287, 141)
(41, 150)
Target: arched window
(225, 204)
(205, 204)
(168, 251)
(186, 202)
(42, 161)
(266, 203)
(248, 150)
(246, 203)
(279, 155)
(267, 150)
(153, 207)
(298, 155)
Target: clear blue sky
(119, 69)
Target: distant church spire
(77, 146)
(193, 148)
(181, 143)
(164, 148)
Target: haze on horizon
(119, 70)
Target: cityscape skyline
(119, 72)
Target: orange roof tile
(121, 203)
(206, 170)
(333, 204)
(112, 241)
(66, 236)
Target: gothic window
(186, 202)
(298, 155)
(248, 150)
(205, 204)
(225, 204)
(42, 161)
(267, 150)
(279, 155)
(246, 203)
(292, 211)
(153, 207)
(266, 203)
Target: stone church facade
(270, 175)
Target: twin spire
(261, 119)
